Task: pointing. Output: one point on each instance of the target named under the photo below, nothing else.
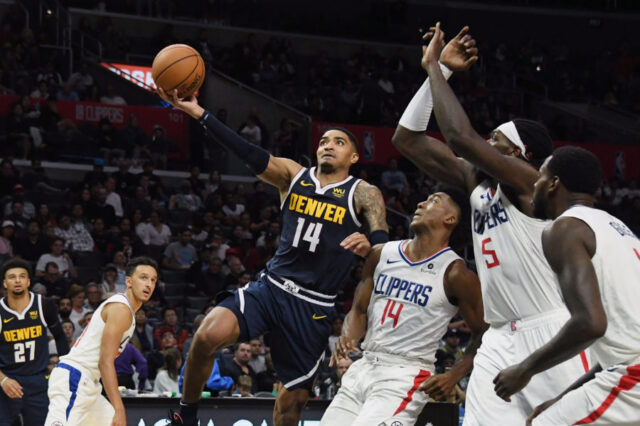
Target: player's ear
(554, 184)
(528, 154)
(451, 219)
(127, 280)
(355, 157)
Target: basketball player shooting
(409, 292)
(597, 261)
(322, 209)
(522, 302)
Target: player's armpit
(279, 173)
(434, 158)
(369, 202)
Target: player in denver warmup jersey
(323, 210)
(24, 347)
(404, 306)
(597, 261)
(521, 299)
(74, 386)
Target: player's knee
(289, 406)
(220, 328)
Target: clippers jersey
(617, 265)
(516, 280)
(24, 345)
(85, 353)
(409, 311)
(315, 220)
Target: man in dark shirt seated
(32, 245)
(239, 366)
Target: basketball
(178, 66)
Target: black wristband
(378, 237)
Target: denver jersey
(617, 265)
(409, 310)
(85, 353)
(315, 220)
(516, 280)
(24, 345)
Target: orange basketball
(178, 67)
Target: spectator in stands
(124, 363)
(9, 176)
(110, 97)
(64, 308)
(44, 217)
(141, 202)
(236, 269)
(268, 379)
(211, 281)
(69, 330)
(154, 232)
(239, 366)
(394, 179)
(62, 259)
(57, 285)
(50, 76)
(103, 241)
(167, 377)
(17, 215)
(36, 178)
(197, 184)
(17, 195)
(212, 185)
(113, 198)
(155, 359)
(452, 344)
(76, 236)
(33, 244)
(97, 175)
(42, 92)
(78, 309)
(94, 296)
(186, 199)
(232, 209)
(99, 208)
(18, 137)
(110, 141)
(243, 386)
(187, 343)
(82, 79)
(251, 131)
(120, 262)
(125, 180)
(143, 334)
(171, 325)
(336, 330)
(179, 255)
(257, 361)
(6, 238)
(67, 93)
(109, 280)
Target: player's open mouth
(146, 292)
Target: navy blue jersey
(314, 222)
(24, 345)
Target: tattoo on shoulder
(370, 204)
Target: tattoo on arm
(369, 202)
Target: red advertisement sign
(376, 148)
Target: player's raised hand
(431, 53)
(540, 408)
(440, 386)
(511, 380)
(461, 51)
(344, 345)
(188, 105)
(12, 388)
(357, 243)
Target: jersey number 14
(311, 235)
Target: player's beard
(327, 168)
(18, 293)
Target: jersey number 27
(20, 351)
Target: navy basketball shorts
(298, 319)
(32, 405)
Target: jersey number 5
(311, 235)
(488, 252)
(20, 349)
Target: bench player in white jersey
(597, 261)
(409, 292)
(74, 386)
(522, 301)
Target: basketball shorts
(611, 398)
(32, 405)
(298, 319)
(379, 390)
(505, 346)
(75, 399)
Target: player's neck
(133, 300)
(572, 199)
(425, 244)
(327, 178)
(18, 303)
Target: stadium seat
(174, 289)
(174, 277)
(264, 394)
(190, 314)
(197, 302)
(174, 301)
(87, 274)
(87, 259)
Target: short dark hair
(54, 264)
(461, 234)
(536, 137)
(68, 321)
(579, 170)
(138, 261)
(16, 263)
(351, 136)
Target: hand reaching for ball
(188, 105)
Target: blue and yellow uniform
(24, 357)
(294, 296)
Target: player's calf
(289, 405)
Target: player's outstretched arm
(50, 312)
(464, 140)
(117, 318)
(355, 323)
(568, 245)
(276, 171)
(427, 153)
(462, 287)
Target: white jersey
(517, 282)
(85, 353)
(617, 265)
(409, 311)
